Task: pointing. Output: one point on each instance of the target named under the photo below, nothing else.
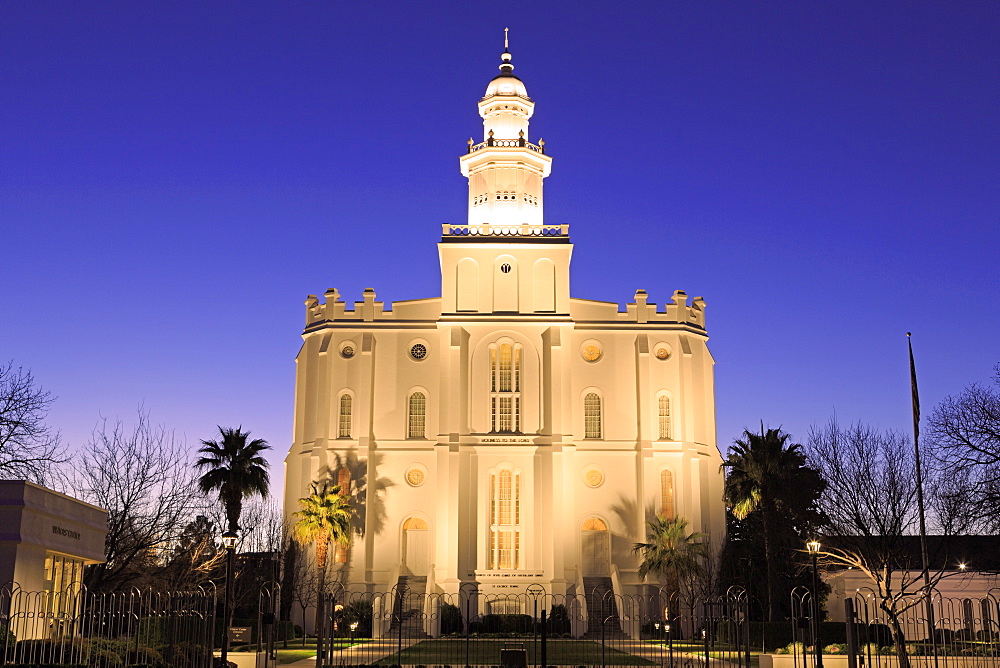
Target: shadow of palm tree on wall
(367, 496)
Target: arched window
(505, 520)
(416, 415)
(667, 495)
(345, 416)
(592, 416)
(344, 480)
(666, 425)
(505, 388)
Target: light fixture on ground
(813, 547)
(228, 542)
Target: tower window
(345, 416)
(505, 520)
(505, 268)
(505, 388)
(667, 495)
(592, 416)
(344, 480)
(416, 415)
(666, 425)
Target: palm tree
(236, 470)
(763, 469)
(671, 553)
(324, 515)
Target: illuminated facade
(504, 433)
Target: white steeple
(505, 170)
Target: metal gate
(471, 628)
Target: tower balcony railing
(504, 230)
(508, 143)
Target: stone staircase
(601, 604)
(408, 610)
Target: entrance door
(416, 538)
(595, 548)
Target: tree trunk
(899, 639)
(772, 567)
(321, 551)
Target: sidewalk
(364, 653)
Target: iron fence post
(544, 650)
(852, 638)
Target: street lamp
(229, 542)
(670, 645)
(813, 547)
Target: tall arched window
(344, 480)
(416, 415)
(666, 424)
(505, 388)
(592, 416)
(505, 520)
(344, 430)
(667, 495)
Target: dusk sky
(176, 177)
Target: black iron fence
(77, 627)
(894, 632)
(471, 628)
(404, 627)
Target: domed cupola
(506, 107)
(505, 170)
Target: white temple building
(505, 433)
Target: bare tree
(870, 502)
(302, 579)
(965, 432)
(144, 479)
(196, 557)
(29, 448)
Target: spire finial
(505, 65)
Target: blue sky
(176, 177)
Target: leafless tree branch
(29, 448)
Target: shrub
(558, 621)
(185, 655)
(144, 656)
(503, 624)
(359, 612)
(451, 619)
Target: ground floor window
(63, 579)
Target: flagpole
(920, 497)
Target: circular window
(592, 352)
(505, 268)
(415, 477)
(593, 477)
(347, 352)
(418, 351)
(661, 351)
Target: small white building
(505, 433)
(46, 537)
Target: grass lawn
(293, 655)
(487, 652)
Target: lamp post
(670, 645)
(229, 542)
(813, 547)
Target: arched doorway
(415, 544)
(595, 543)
